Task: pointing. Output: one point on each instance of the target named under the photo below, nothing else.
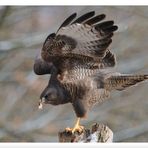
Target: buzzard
(80, 63)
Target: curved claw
(77, 128)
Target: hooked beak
(41, 101)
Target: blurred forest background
(23, 30)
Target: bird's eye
(46, 96)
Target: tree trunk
(97, 133)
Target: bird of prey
(81, 64)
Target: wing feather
(91, 41)
(68, 20)
(41, 67)
(104, 25)
(84, 17)
(109, 60)
(95, 19)
(84, 37)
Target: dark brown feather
(68, 20)
(41, 67)
(109, 59)
(110, 29)
(104, 25)
(84, 17)
(95, 19)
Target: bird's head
(54, 94)
(50, 96)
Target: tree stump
(97, 133)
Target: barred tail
(120, 82)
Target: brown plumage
(80, 63)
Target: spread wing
(86, 36)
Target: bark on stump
(97, 133)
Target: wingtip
(90, 13)
(103, 15)
(116, 28)
(93, 12)
(74, 14)
(146, 76)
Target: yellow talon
(77, 127)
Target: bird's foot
(78, 129)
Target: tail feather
(121, 82)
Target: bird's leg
(77, 127)
(80, 110)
